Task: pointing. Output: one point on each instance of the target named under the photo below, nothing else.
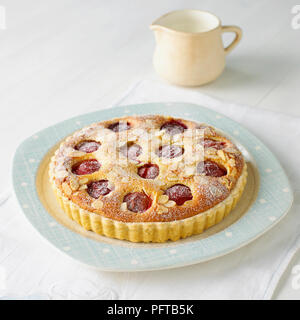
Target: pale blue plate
(273, 202)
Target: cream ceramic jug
(189, 48)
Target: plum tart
(148, 178)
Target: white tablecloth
(30, 268)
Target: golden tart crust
(209, 200)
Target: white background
(61, 58)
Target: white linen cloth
(30, 268)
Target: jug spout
(155, 27)
(161, 23)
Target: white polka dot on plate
(187, 114)
(35, 137)
(24, 184)
(228, 234)
(258, 147)
(31, 160)
(268, 170)
(236, 132)
(173, 251)
(78, 123)
(262, 201)
(218, 116)
(286, 190)
(52, 224)
(272, 218)
(106, 250)
(67, 248)
(133, 261)
(25, 206)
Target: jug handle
(238, 36)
